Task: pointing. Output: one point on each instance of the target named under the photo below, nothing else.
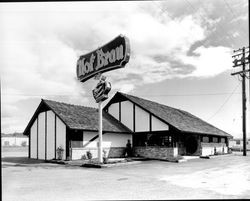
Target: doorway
(191, 145)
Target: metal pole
(100, 133)
(244, 104)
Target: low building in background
(236, 144)
(155, 130)
(15, 139)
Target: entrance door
(191, 145)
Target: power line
(222, 29)
(224, 102)
(233, 14)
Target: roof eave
(225, 135)
(96, 130)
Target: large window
(77, 140)
(223, 140)
(215, 139)
(76, 144)
(152, 140)
(158, 140)
(205, 139)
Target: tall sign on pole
(241, 59)
(111, 56)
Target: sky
(181, 55)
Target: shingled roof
(79, 117)
(181, 120)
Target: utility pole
(240, 59)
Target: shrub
(84, 157)
(60, 151)
(105, 157)
(89, 155)
(24, 143)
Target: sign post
(111, 56)
(100, 133)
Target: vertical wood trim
(55, 135)
(150, 122)
(37, 134)
(120, 111)
(67, 143)
(46, 135)
(29, 143)
(133, 117)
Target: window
(77, 140)
(160, 140)
(76, 144)
(237, 141)
(205, 139)
(215, 139)
(152, 140)
(222, 140)
(140, 140)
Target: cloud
(210, 61)
(40, 44)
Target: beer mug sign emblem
(101, 91)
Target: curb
(89, 165)
(54, 161)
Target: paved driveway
(219, 177)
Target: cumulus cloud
(209, 61)
(40, 44)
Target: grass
(14, 149)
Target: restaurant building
(155, 130)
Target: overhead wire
(221, 27)
(232, 12)
(227, 99)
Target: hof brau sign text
(113, 55)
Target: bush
(84, 157)
(105, 157)
(60, 151)
(24, 143)
(89, 155)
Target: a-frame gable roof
(179, 119)
(79, 117)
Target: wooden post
(100, 133)
(244, 104)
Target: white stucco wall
(127, 114)
(61, 135)
(41, 136)
(50, 135)
(141, 120)
(33, 140)
(50, 142)
(158, 125)
(207, 149)
(108, 139)
(141, 117)
(114, 110)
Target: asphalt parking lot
(221, 177)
